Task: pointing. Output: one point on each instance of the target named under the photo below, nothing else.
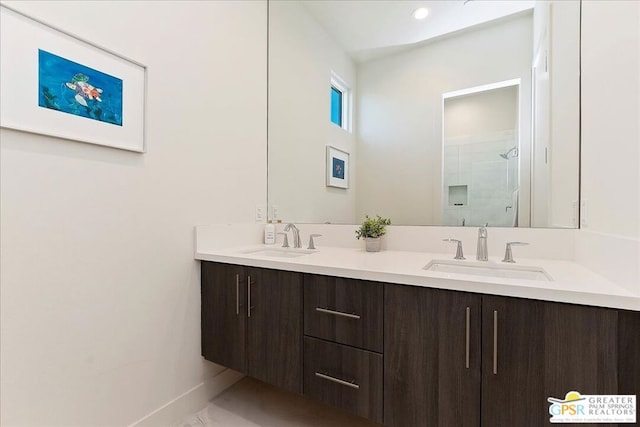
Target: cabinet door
(513, 363)
(223, 315)
(275, 327)
(533, 350)
(431, 357)
(581, 350)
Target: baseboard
(190, 401)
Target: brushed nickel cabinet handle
(337, 380)
(337, 313)
(248, 296)
(237, 294)
(495, 342)
(467, 333)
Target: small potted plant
(371, 230)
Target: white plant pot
(372, 244)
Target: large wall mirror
(467, 116)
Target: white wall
(400, 117)
(609, 242)
(610, 116)
(481, 113)
(100, 294)
(301, 58)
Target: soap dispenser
(269, 233)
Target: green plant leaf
(373, 227)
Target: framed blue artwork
(56, 84)
(337, 168)
(73, 88)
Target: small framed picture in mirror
(337, 168)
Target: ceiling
(368, 29)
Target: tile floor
(251, 403)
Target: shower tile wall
(490, 181)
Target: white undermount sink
(489, 269)
(279, 252)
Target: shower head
(513, 152)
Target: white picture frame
(42, 94)
(337, 168)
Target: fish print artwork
(73, 88)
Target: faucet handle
(311, 236)
(285, 242)
(459, 254)
(508, 256)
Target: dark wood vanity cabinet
(252, 322)
(520, 353)
(410, 356)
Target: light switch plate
(260, 213)
(584, 221)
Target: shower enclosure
(481, 156)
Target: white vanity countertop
(571, 282)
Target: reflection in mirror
(481, 148)
(404, 82)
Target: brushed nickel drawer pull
(237, 294)
(337, 380)
(467, 332)
(249, 296)
(337, 313)
(495, 342)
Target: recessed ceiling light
(421, 13)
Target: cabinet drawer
(346, 311)
(344, 377)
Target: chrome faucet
(481, 253)
(459, 254)
(508, 255)
(285, 242)
(311, 242)
(296, 234)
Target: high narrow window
(336, 106)
(340, 103)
